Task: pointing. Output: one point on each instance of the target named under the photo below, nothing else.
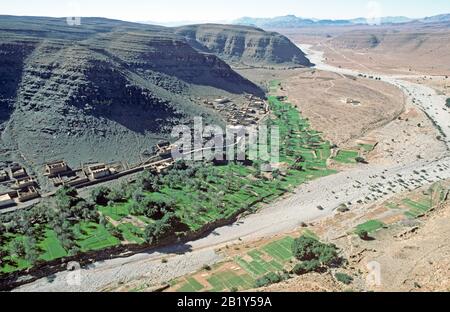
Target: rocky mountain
(288, 21)
(442, 18)
(383, 20)
(244, 45)
(292, 21)
(107, 90)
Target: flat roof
(5, 197)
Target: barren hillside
(106, 90)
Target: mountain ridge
(244, 44)
(103, 91)
(292, 21)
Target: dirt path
(355, 185)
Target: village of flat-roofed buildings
(20, 189)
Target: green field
(212, 193)
(191, 285)
(92, 236)
(117, 212)
(417, 208)
(52, 247)
(132, 233)
(13, 262)
(346, 157)
(370, 226)
(228, 280)
(392, 206)
(48, 248)
(269, 258)
(228, 189)
(429, 198)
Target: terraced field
(346, 157)
(411, 207)
(52, 246)
(370, 226)
(367, 147)
(242, 272)
(237, 183)
(92, 236)
(420, 204)
(213, 193)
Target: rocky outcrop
(245, 45)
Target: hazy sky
(222, 10)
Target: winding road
(282, 216)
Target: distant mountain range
(292, 21)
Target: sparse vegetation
(363, 234)
(361, 160)
(343, 278)
(271, 278)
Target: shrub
(361, 160)
(363, 234)
(270, 278)
(307, 248)
(116, 195)
(343, 278)
(116, 233)
(206, 267)
(343, 208)
(100, 195)
(160, 228)
(306, 267)
(66, 198)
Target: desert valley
(359, 199)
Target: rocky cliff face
(12, 58)
(245, 45)
(108, 90)
(103, 91)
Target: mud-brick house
(6, 201)
(56, 168)
(18, 172)
(98, 171)
(4, 176)
(24, 183)
(27, 194)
